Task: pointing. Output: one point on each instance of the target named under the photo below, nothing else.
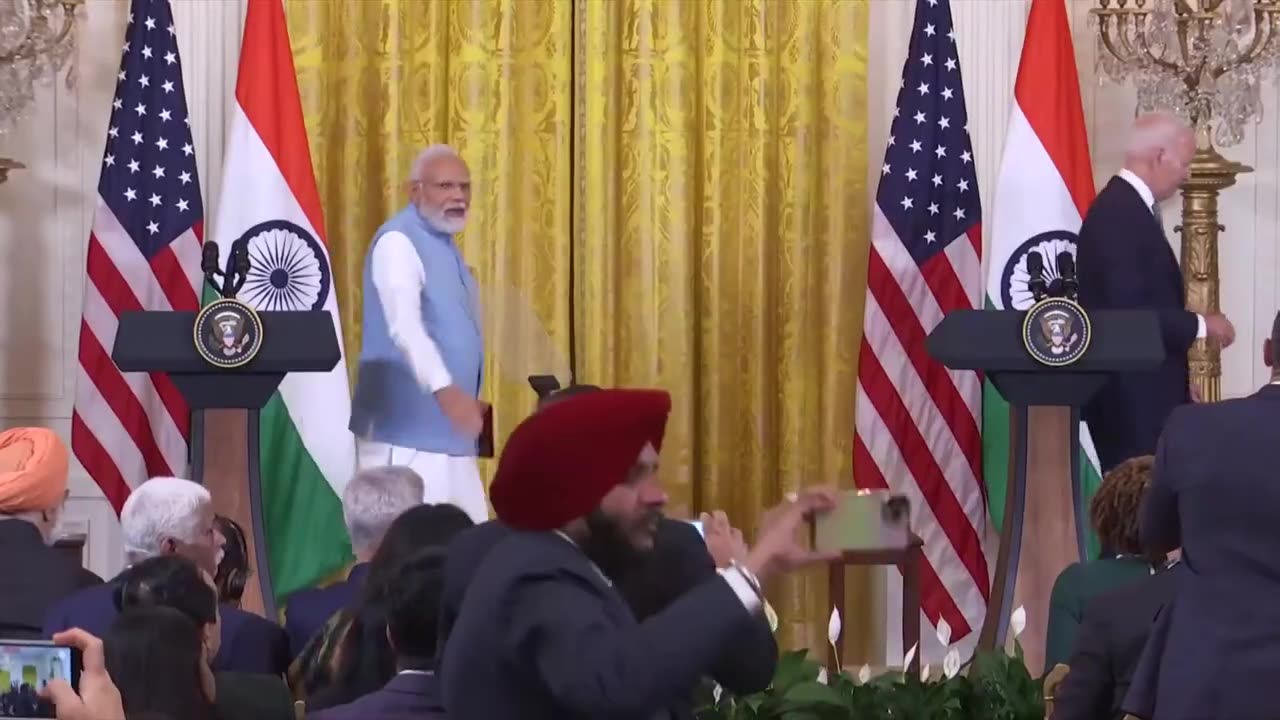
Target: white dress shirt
(1149, 198)
(399, 276)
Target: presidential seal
(228, 333)
(1056, 331)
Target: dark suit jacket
(543, 634)
(678, 564)
(309, 610)
(33, 577)
(463, 556)
(408, 696)
(248, 696)
(1109, 643)
(1075, 587)
(1214, 650)
(250, 644)
(1124, 262)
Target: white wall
(46, 210)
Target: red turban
(33, 470)
(561, 461)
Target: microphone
(240, 260)
(209, 264)
(1035, 269)
(1067, 269)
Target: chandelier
(1201, 59)
(37, 38)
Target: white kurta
(398, 276)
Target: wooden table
(907, 559)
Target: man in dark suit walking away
(543, 632)
(1125, 262)
(1214, 649)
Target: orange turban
(33, 470)
(562, 460)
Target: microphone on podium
(1067, 269)
(1035, 272)
(209, 264)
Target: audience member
(33, 576)
(1113, 512)
(233, 569)
(373, 498)
(649, 581)
(171, 516)
(412, 606)
(1214, 650)
(175, 582)
(542, 633)
(351, 657)
(1108, 645)
(156, 657)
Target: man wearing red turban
(542, 632)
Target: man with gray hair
(172, 516)
(416, 401)
(1125, 262)
(372, 500)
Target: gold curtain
(383, 79)
(720, 224)
(677, 187)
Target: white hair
(160, 509)
(428, 156)
(1152, 132)
(374, 498)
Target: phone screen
(26, 667)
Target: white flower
(833, 627)
(944, 633)
(906, 660)
(951, 663)
(716, 692)
(924, 674)
(1018, 621)
(822, 675)
(864, 675)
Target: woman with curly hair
(1113, 513)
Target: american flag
(917, 423)
(144, 254)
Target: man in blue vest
(416, 400)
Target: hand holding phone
(27, 668)
(92, 695)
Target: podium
(224, 448)
(991, 341)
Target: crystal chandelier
(1201, 59)
(37, 37)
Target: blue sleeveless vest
(389, 406)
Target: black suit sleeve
(1111, 275)
(1159, 525)
(594, 668)
(1086, 693)
(748, 661)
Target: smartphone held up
(864, 520)
(26, 667)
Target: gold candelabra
(1203, 60)
(37, 38)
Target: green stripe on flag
(306, 538)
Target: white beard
(439, 221)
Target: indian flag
(1044, 189)
(269, 204)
